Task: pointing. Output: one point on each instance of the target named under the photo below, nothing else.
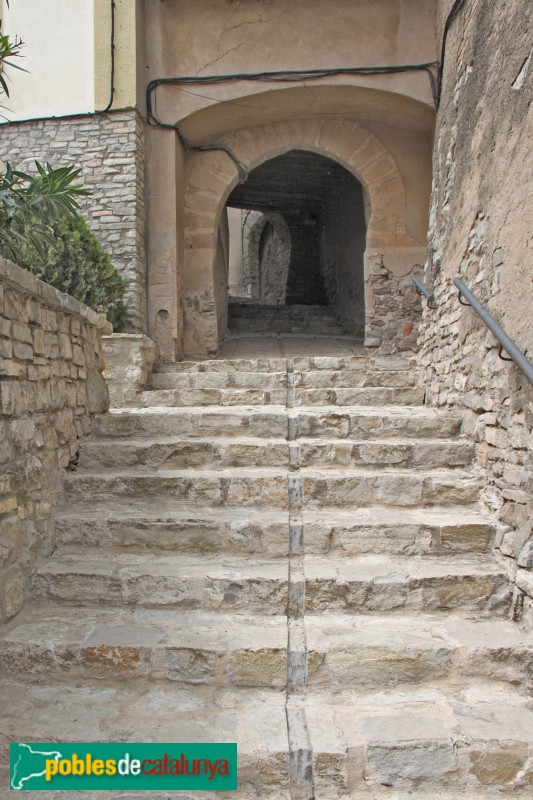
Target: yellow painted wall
(127, 15)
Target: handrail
(506, 343)
(421, 289)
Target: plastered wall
(269, 35)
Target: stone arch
(271, 286)
(212, 176)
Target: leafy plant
(77, 264)
(31, 204)
(8, 50)
(41, 230)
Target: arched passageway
(211, 178)
(300, 236)
(259, 255)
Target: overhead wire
(279, 76)
(283, 76)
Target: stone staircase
(245, 316)
(286, 553)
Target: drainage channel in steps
(300, 751)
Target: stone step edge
(435, 516)
(358, 624)
(360, 410)
(148, 440)
(483, 562)
(276, 472)
(385, 363)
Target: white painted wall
(58, 38)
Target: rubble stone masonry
(109, 149)
(479, 228)
(51, 385)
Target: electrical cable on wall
(284, 76)
(112, 78)
(456, 8)
(290, 76)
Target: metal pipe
(507, 343)
(421, 289)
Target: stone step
(156, 712)
(190, 582)
(136, 525)
(324, 327)
(186, 398)
(402, 453)
(365, 396)
(334, 423)
(261, 317)
(361, 423)
(155, 644)
(133, 524)
(199, 422)
(355, 651)
(353, 378)
(178, 453)
(380, 583)
(264, 381)
(361, 363)
(423, 740)
(204, 487)
(367, 584)
(363, 652)
(246, 486)
(403, 531)
(251, 308)
(225, 365)
(363, 487)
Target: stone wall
(265, 273)
(394, 318)
(342, 250)
(479, 228)
(51, 386)
(109, 148)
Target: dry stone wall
(394, 316)
(479, 229)
(51, 385)
(109, 148)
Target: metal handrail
(506, 343)
(421, 289)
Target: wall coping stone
(22, 279)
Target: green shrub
(78, 265)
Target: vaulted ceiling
(298, 181)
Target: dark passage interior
(297, 238)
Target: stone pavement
(285, 550)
